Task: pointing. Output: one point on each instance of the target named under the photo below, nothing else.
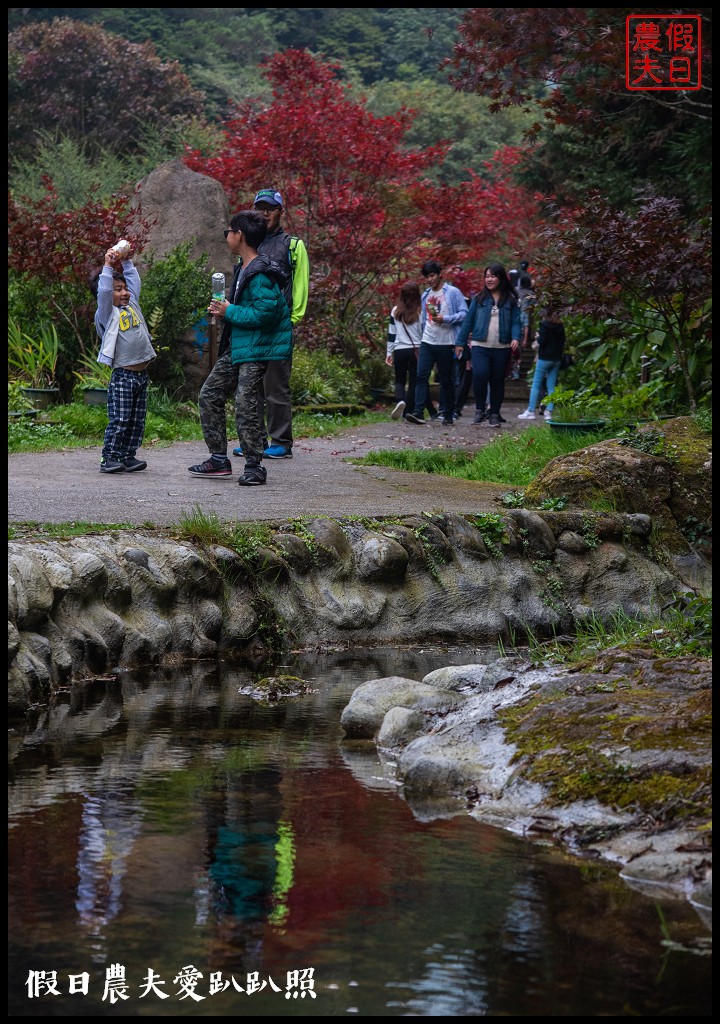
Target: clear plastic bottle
(218, 287)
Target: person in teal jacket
(260, 333)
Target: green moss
(580, 773)
(580, 744)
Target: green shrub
(319, 378)
(175, 294)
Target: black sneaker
(252, 476)
(412, 418)
(480, 416)
(447, 422)
(494, 419)
(112, 466)
(212, 467)
(133, 465)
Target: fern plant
(33, 360)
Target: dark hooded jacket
(551, 340)
(257, 321)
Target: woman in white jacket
(403, 346)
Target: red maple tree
(60, 249)
(357, 194)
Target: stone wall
(82, 607)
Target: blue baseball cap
(269, 196)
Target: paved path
(59, 487)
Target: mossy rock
(274, 688)
(331, 409)
(673, 485)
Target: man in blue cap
(289, 251)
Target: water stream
(178, 848)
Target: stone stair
(519, 390)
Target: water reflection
(170, 824)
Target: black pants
(405, 367)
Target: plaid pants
(127, 409)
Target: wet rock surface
(609, 760)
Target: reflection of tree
(261, 851)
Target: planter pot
(378, 394)
(19, 414)
(95, 396)
(584, 427)
(42, 398)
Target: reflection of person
(550, 347)
(126, 346)
(443, 310)
(257, 332)
(493, 320)
(403, 346)
(111, 823)
(288, 251)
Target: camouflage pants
(245, 382)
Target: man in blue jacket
(443, 311)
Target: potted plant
(32, 361)
(93, 380)
(375, 372)
(576, 410)
(19, 405)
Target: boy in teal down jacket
(260, 333)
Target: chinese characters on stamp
(662, 52)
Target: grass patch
(247, 540)
(63, 531)
(76, 425)
(326, 424)
(683, 627)
(512, 459)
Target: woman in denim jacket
(493, 324)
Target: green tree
(174, 298)
(462, 119)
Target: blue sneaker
(276, 451)
(237, 451)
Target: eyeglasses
(229, 231)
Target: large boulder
(185, 206)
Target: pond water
(178, 848)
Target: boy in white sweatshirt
(126, 346)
